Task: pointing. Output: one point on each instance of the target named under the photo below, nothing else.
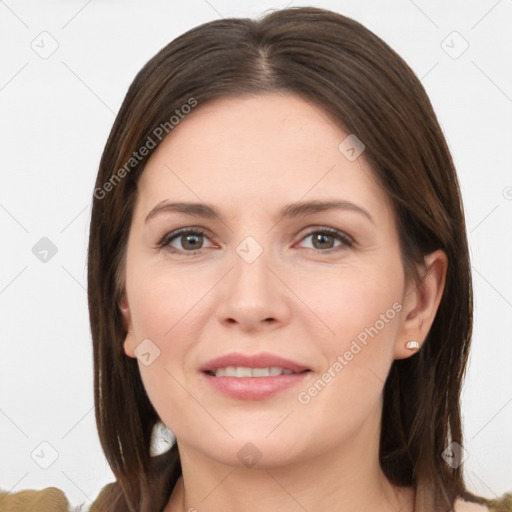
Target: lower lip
(254, 388)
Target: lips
(244, 384)
(264, 360)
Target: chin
(249, 452)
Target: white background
(56, 114)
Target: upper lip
(263, 360)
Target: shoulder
(50, 499)
(468, 506)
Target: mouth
(237, 364)
(245, 371)
(253, 377)
(250, 387)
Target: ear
(129, 344)
(421, 302)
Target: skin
(248, 157)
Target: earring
(412, 345)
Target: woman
(279, 273)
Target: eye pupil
(321, 237)
(188, 238)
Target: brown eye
(325, 239)
(191, 241)
(188, 241)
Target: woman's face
(263, 276)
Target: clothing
(52, 499)
(49, 499)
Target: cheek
(166, 309)
(163, 301)
(357, 360)
(352, 304)
(361, 316)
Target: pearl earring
(412, 345)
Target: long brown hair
(343, 68)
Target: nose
(253, 296)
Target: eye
(190, 241)
(185, 240)
(323, 240)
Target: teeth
(243, 371)
(274, 372)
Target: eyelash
(169, 237)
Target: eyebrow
(292, 210)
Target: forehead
(257, 150)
